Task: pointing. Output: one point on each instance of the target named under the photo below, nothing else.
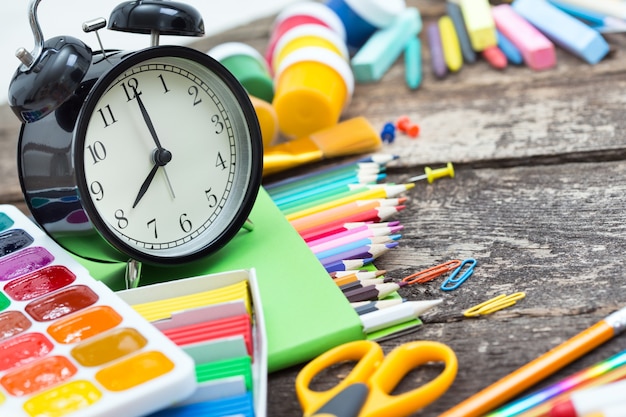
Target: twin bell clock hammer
(151, 156)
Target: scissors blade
(347, 403)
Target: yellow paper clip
(493, 305)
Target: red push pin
(405, 125)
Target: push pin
(434, 174)
(405, 125)
(388, 133)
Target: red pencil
(377, 214)
(348, 227)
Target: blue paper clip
(456, 282)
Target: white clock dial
(167, 157)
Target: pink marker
(537, 50)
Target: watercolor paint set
(217, 319)
(68, 344)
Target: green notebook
(305, 312)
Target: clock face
(168, 155)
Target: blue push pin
(388, 135)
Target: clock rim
(255, 145)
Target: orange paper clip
(431, 273)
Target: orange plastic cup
(313, 85)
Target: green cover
(305, 312)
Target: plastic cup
(308, 35)
(248, 66)
(361, 18)
(313, 86)
(302, 14)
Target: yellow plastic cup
(308, 35)
(313, 85)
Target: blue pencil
(364, 252)
(348, 177)
(357, 244)
(348, 264)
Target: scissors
(366, 390)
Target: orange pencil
(344, 210)
(378, 214)
(531, 373)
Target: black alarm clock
(152, 155)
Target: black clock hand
(161, 158)
(148, 121)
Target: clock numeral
(219, 125)
(107, 116)
(152, 223)
(98, 151)
(131, 88)
(220, 162)
(193, 91)
(122, 222)
(164, 85)
(185, 223)
(212, 198)
(97, 190)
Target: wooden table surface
(538, 200)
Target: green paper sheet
(305, 312)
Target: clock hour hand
(161, 158)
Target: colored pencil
(367, 251)
(363, 307)
(325, 190)
(360, 284)
(348, 178)
(342, 228)
(352, 207)
(348, 264)
(293, 204)
(353, 276)
(375, 193)
(400, 313)
(297, 180)
(379, 159)
(378, 214)
(374, 292)
(373, 233)
(359, 243)
(539, 403)
(538, 369)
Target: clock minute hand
(148, 121)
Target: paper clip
(431, 273)
(494, 304)
(456, 282)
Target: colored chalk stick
(537, 50)
(479, 23)
(455, 13)
(450, 44)
(384, 47)
(437, 60)
(513, 55)
(564, 30)
(413, 63)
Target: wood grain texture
(538, 200)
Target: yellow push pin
(434, 174)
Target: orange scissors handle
(398, 363)
(368, 356)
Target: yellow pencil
(388, 191)
(528, 375)
(450, 44)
